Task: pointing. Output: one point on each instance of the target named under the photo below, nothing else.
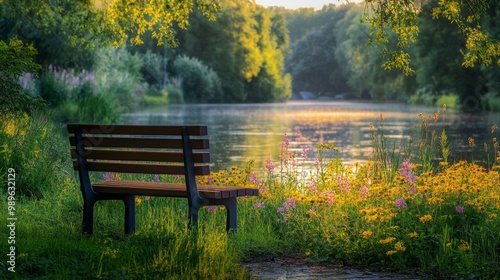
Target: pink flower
(305, 151)
(253, 179)
(312, 187)
(212, 208)
(363, 191)
(400, 203)
(343, 185)
(260, 205)
(460, 209)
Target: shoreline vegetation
(410, 209)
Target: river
(243, 132)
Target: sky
(294, 4)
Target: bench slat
(141, 155)
(138, 142)
(142, 168)
(193, 130)
(171, 190)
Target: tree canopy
(401, 17)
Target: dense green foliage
(340, 57)
(16, 59)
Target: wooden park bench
(148, 149)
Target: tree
(401, 17)
(16, 58)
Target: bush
(451, 101)
(31, 145)
(199, 82)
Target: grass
(408, 209)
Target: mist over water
(240, 133)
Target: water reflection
(243, 132)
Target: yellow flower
(366, 234)
(463, 245)
(387, 240)
(413, 234)
(400, 246)
(137, 200)
(391, 252)
(425, 218)
(435, 200)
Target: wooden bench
(148, 149)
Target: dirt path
(295, 269)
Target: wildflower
(460, 209)
(330, 199)
(387, 240)
(400, 203)
(305, 151)
(137, 200)
(448, 244)
(493, 128)
(425, 218)
(391, 252)
(409, 174)
(363, 191)
(312, 211)
(269, 165)
(291, 202)
(253, 179)
(260, 205)
(343, 185)
(414, 234)
(312, 187)
(157, 178)
(463, 245)
(399, 246)
(109, 176)
(471, 142)
(212, 208)
(366, 234)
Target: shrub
(31, 145)
(199, 82)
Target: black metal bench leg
(88, 217)
(129, 214)
(232, 208)
(193, 217)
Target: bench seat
(170, 190)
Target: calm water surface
(243, 132)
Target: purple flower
(269, 165)
(410, 176)
(460, 209)
(400, 203)
(212, 208)
(291, 202)
(109, 176)
(157, 178)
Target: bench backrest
(146, 149)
